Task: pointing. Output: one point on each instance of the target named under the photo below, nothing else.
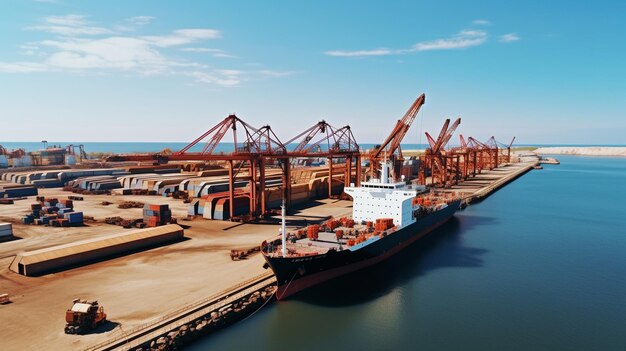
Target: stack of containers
(332, 224)
(50, 202)
(383, 224)
(347, 222)
(51, 211)
(312, 232)
(6, 229)
(156, 215)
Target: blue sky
(546, 72)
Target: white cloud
(229, 72)
(464, 39)
(30, 49)
(225, 81)
(70, 25)
(509, 38)
(72, 47)
(375, 52)
(141, 20)
(67, 20)
(267, 72)
(22, 67)
(131, 24)
(122, 53)
(183, 36)
(202, 50)
(214, 52)
(223, 55)
(73, 31)
(481, 22)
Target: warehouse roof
(88, 245)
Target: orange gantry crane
(333, 142)
(254, 150)
(390, 148)
(443, 166)
(505, 158)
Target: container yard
(154, 236)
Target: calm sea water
(539, 265)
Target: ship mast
(283, 229)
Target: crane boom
(463, 142)
(449, 133)
(308, 134)
(431, 141)
(511, 143)
(442, 133)
(392, 143)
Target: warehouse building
(66, 256)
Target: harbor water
(539, 265)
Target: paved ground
(134, 289)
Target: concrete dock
(477, 188)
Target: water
(539, 265)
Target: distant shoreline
(612, 151)
(618, 151)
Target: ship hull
(294, 274)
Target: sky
(547, 72)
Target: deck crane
(391, 146)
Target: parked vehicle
(83, 316)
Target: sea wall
(210, 322)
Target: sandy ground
(583, 151)
(133, 289)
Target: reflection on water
(441, 248)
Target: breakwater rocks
(210, 322)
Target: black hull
(294, 274)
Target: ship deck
(325, 240)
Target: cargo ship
(387, 216)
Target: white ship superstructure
(382, 198)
